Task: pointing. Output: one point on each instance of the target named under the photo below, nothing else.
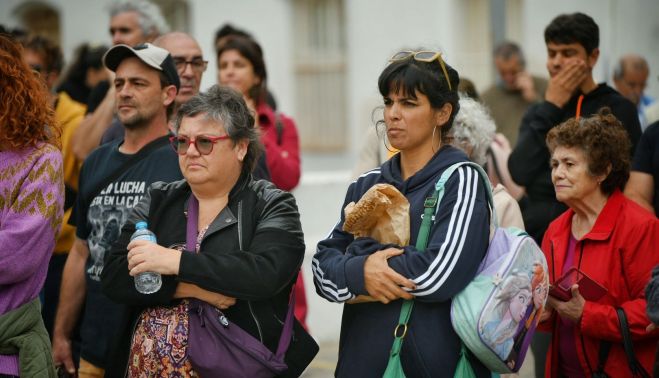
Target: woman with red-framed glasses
(420, 98)
(223, 238)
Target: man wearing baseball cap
(113, 179)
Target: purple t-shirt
(568, 362)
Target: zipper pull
(223, 320)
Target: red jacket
(283, 159)
(619, 253)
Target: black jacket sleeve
(530, 157)
(268, 263)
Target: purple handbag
(218, 347)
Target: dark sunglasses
(203, 143)
(423, 56)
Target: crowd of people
(123, 135)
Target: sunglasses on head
(203, 143)
(423, 56)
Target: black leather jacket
(251, 251)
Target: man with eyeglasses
(113, 179)
(189, 62)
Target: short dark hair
(227, 106)
(507, 49)
(411, 75)
(603, 140)
(574, 28)
(250, 50)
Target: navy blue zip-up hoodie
(457, 244)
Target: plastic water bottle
(146, 282)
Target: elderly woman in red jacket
(607, 237)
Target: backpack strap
(486, 182)
(393, 366)
(634, 365)
(430, 207)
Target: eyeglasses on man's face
(197, 64)
(203, 143)
(423, 56)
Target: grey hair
(227, 107)
(473, 127)
(507, 49)
(630, 61)
(150, 17)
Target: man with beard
(112, 180)
(132, 22)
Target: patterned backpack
(497, 313)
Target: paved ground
(320, 196)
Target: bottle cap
(140, 225)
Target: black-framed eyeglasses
(203, 143)
(197, 64)
(423, 56)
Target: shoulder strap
(141, 154)
(603, 355)
(430, 206)
(635, 366)
(393, 365)
(279, 128)
(486, 182)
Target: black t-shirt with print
(99, 220)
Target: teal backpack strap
(464, 368)
(394, 368)
(431, 205)
(484, 178)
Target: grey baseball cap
(151, 55)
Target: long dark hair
(250, 50)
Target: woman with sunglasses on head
(249, 242)
(420, 102)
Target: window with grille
(320, 74)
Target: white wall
(375, 30)
(80, 21)
(268, 21)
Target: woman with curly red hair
(31, 202)
(605, 236)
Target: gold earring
(433, 140)
(384, 141)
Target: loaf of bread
(383, 213)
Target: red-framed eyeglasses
(203, 143)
